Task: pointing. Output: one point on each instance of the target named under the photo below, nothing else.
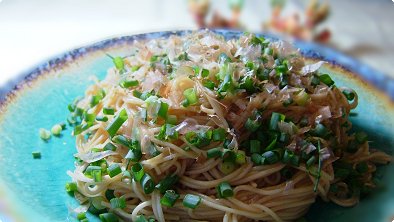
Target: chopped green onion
(81, 216)
(219, 134)
(95, 100)
(227, 167)
(118, 62)
(255, 146)
(44, 134)
(135, 68)
(167, 183)
(225, 86)
(144, 96)
(90, 169)
(109, 194)
(97, 175)
(204, 73)
(319, 167)
(263, 74)
(199, 139)
(191, 201)
(240, 157)
(89, 117)
(108, 217)
(135, 153)
(147, 184)
(348, 94)
(268, 51)
(302, 98)
(172, 119)
(228, 155)
(275, 119)
(169, 198)
(361, 137)
(252, 125)
(114, 170)
(137, 94)
(96, 206)
(71, 187)
(118, 202)
(163, 110)
(122, 140)
(168, 132)
(102, 118)
(128, 83)
(56, 130)
(310, 161)
(183, 56)
(269, 157)
(320, 130)
(118, 121)
(208, 84)
(326, 79)
(247, 83)
(36, 155)
(108, 111)
(63, 125)
(257, 159)
(138, 171)
(141, 218)
(284, 137)
(214, 152)
(191, 96)
(224, 190)
(109, 146)
(287, 156)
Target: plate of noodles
(208, 125)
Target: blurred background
(33, 31)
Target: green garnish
(44, 134)
(108, 111)
(36, 155)
(71, 187)
(191, 201)
(108, 217)
(56, 130)
(147, 184)
(138, 171)
(319, 167)
(190, 97)
(128, 83)
(169, 198)
(118, 121)
(114, 170)
(224, 190)
(118, 202)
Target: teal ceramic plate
(33, 190)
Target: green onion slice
(169, 198)
(118, 121)
(224, 190)
(191, 201)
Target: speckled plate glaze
(33, 190)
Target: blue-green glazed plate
(33, 189)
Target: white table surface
(33, 31)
